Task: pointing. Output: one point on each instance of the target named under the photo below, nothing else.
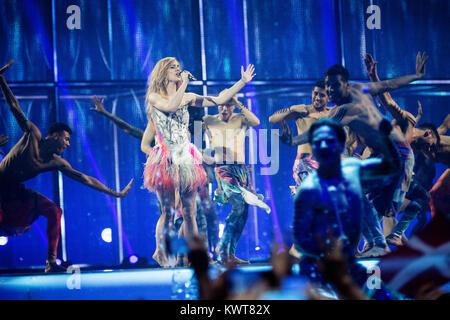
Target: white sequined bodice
(173, 126)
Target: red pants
(20, 207)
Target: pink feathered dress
(174, 163)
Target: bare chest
(24, 162)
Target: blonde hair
(157, 80)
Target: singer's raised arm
(225, 95)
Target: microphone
(190, 76)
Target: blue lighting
(291, 43)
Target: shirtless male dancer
(355, 108)
(304, 117)
(226, 131)
(423, 137)
(32, 155)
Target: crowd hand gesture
(286, 134)
(421, 61)
(248, 74)
(280, 261)
(125, 191)
(3, 140)
(198, 254)
(371, 65)
(98, 104)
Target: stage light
(221, 227)
(58, 262)
(3, 241)
(107, 235)
(133, 259)
(257, 248)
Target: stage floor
(106, 284)
(86, 283)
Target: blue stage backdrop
(67, 51)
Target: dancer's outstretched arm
(376, 88)
(208, 101)
(67, 170)
(389, 104)
(121, 124)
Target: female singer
(173, 169)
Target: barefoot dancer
(32, 155)
(227, 131)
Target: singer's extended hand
(248, 74)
